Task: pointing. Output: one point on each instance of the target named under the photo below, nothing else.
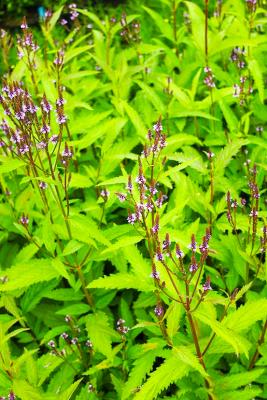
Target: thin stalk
(260, 342)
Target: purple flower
(64, 336)
(74, 340)
(259, 128)
(141, 180)
(41, 145)
(46, 106)
(51, 344)
(155, 228)
(155, 275)
(158, 310)
(89, 344)
(45, 129)
(23, 149)
(179, 253)
(206, 287)
(153, 189)
(122, 197)
(159, 255)
(43, 185)
(11, 396)
(149, 206)
(20, 115)
(129, 185)
(105, 194)
(66, 153)
(131, 218)
(60, 102)
(67, 318)
(61, 119)
(193, 244)
(121, 327)
(193, 267)
(63, 22)
(54, 139)
(157, 127)
(253, 213)
(166, 242)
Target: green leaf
(246, 315)
(25, 391)
(123, 281)
(235, 381)
(164, 26)
(25, 274)
(186, 356)
(100, 333)
(169, 372)
(256, 73)
(9, 164)
(141, 367)
(226, 334)
(67, 394)
(173, 316)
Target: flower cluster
(150, 198)
(244, 88)
(121, 327)
(26, 45)
(30, 128)
(238, 57)
(252, 5)
(209, 77)
(253, 210)
(130, 32)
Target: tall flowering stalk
(35, 133)
(146, 199)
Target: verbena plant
(133, 220)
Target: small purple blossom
(41, 145)
(158, 310)
(193, 244)
(253, 213)
(155, 275)
(121, 196)
(105, 194)
(54, 139)
(178, 252)
(45, 129)
(63, 22)
(131, 218)
(206, 287)
(74, 340)
(141, 180)
(89, 344)
(51, 344)
(43, 185)
(64, 335)
(193, 267)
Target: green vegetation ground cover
(133, 203)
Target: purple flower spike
(206, 287)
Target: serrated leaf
(226, 334)
(123, 281)
(100, 333)
(170, 371)
(23, 274)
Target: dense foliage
(133, 203)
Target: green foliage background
(115, 91)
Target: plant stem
(260, 342)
